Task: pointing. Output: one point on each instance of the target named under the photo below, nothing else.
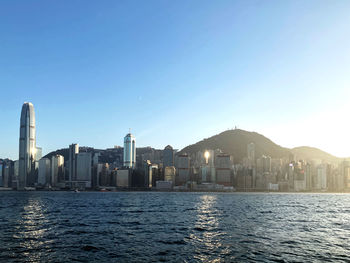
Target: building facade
(72, 167)
(84, 168)
(129, 151)
(57, 170)
(44, 172)
(168, 156)
(27, 146)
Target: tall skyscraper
(27, 146)
(129, 151)
(84, 168)
(168, 156)
(72, 168)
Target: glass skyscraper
(27, 146)
(129, 151)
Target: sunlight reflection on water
(206, 234)
(175, 227)
(31, 230)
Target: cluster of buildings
(291, 174)
(143, 168)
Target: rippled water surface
(177, 227)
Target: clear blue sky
(176, 72)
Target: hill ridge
(234, 142)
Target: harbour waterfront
(177, 227)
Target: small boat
(29, 188)
(76, 191)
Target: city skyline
(174, 131)
(183, 74)
(28, 106)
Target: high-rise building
(44, 172)
(223, 164)
(151, 172)
(38, 153)
(129, 151)
(1, 176)
(169, 173)
(183, 169)
(84, 168)
(57, 169)
(103, 174)
(123, 178)
(15, 174)
(72, 168)
(168, 156)
(264, 164)
(27, 146)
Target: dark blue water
(176, 227)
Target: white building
(129, 151)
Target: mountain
(234, 142)
(63, 152)
(309, 153)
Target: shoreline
(178, 191)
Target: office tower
(129, 151)
(123, 178)
(27, 146)
(151, 172)
(95, 159)
(223, 164)
(205, 173)
(169, 173)
(72, 168)
(183, 169)
(1, 176)
(7, 173)
(38, 153)
(15, 174)
(44, 172)
(57, 169)
(84, 168)
(266, 162)
(103, 175)
(208, 172)
(168, 156)
(308, 176)
(148, 174)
